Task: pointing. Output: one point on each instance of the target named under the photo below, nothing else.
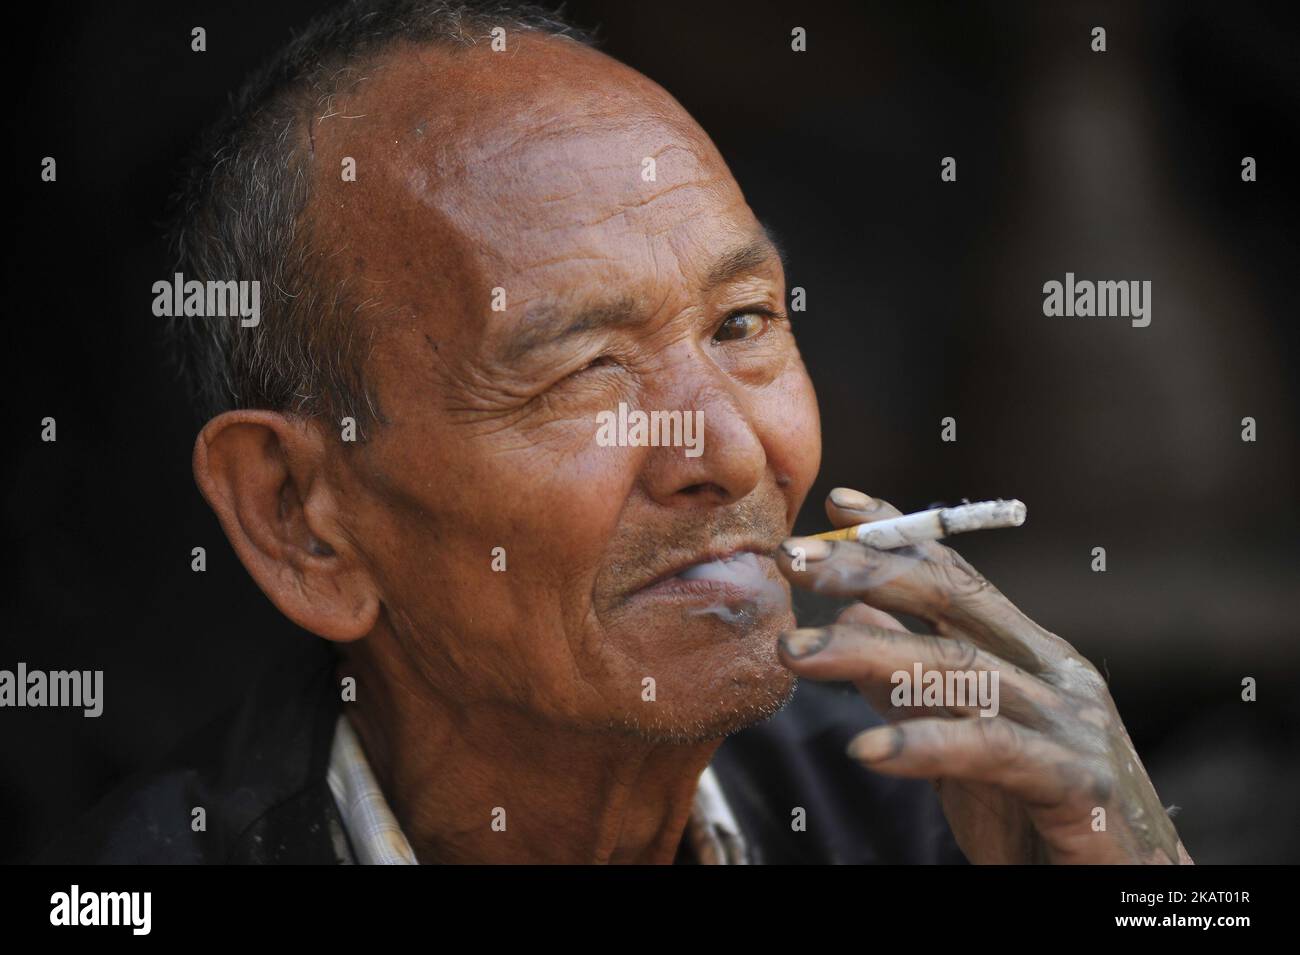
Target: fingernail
(805, 641)
(874, 744)
(851, 500)
(811, 547)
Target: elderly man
(476, 239)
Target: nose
(729, 458)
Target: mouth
(730, 578)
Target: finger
(844, 568)
(878, 695)
(994, 751)
(846, 507)
(927, 674)
(931, 582)
(873, 616)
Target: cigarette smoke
(763, 595)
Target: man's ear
(265, 475)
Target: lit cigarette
(931, 525)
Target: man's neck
(487, 783)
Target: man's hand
(1022, 786)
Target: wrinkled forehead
(551, 163)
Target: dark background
(924, 300)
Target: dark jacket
(260, 775)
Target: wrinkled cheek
(581, 496)
(792, 436)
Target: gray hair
(241, 210)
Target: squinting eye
(604, 361)
(740, 325)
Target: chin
(736, 685)
(705, 720)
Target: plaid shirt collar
(377, 839)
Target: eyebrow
(549, 324)
(760, 248)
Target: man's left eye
(741, 325)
